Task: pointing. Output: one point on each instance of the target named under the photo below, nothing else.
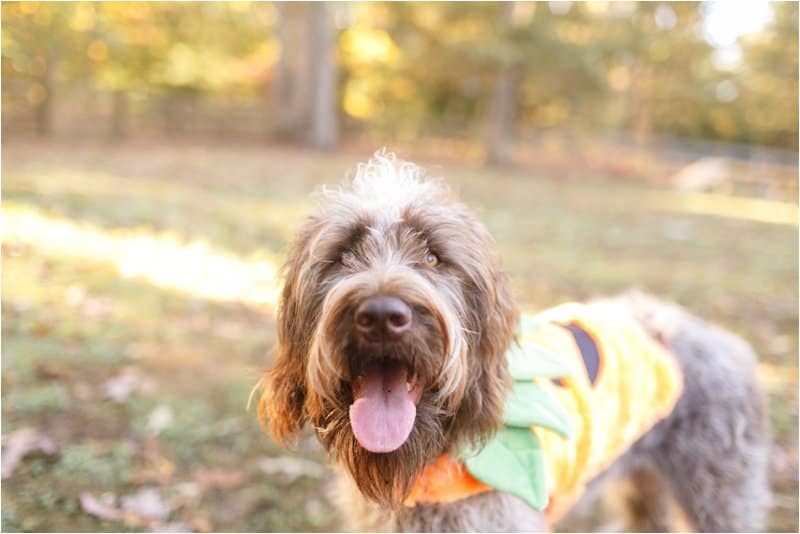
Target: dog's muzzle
(387, 390)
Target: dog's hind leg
(714, 447)
(717, 467)
(648, 503)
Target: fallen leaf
(159, 419)
(291, 468)
(21, 443)
(50, 371)
(99, 508)
(128, 381)
(220, 478)
(146, 503)
(42, 328)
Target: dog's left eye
(431, 259)
(347, 257)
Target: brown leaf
(21, 443)
(41, 328)
(50, 371)
(220, 478)
(98, 508)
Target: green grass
(71, 320)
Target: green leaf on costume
(528, 323)
(530, 404)
(512, 462)
(527, 361)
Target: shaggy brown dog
(392, 331)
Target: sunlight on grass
(163, 259)
(751, 209)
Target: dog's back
(712, 452)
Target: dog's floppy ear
(281, 406)
(494, 317)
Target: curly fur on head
(371, 237)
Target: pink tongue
(383, 413)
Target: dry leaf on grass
(146, 503)
(145, 508)
(127, 382)
(21, 443)
(159, 419)
(121, 386)
(102, 509)
(51, 371)
(219, 478)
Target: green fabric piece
(527, 361)
(529, 404)
(529, 322)
(512, 462)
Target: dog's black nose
(383, 316)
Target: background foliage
(405, 70)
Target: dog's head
(392, 328)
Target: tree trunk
(323, 41)
(501, 113)
(119, 115)
(291, 92)
(44, 108)
(642, 120)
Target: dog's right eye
(347, 257)
(431, 259)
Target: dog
(394, 325)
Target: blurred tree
(40, 42)
(323, 61)
(291, 88)
(502, 107)
(490, 71)
(764, 93)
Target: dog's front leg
(487, 512)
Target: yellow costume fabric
(624, 383)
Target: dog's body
(393, 327)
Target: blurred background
(157, 158)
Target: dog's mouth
(385, 398)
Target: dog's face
(392, 328)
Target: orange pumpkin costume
(623, 383)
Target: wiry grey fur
(711, 453)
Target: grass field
(138, 290)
